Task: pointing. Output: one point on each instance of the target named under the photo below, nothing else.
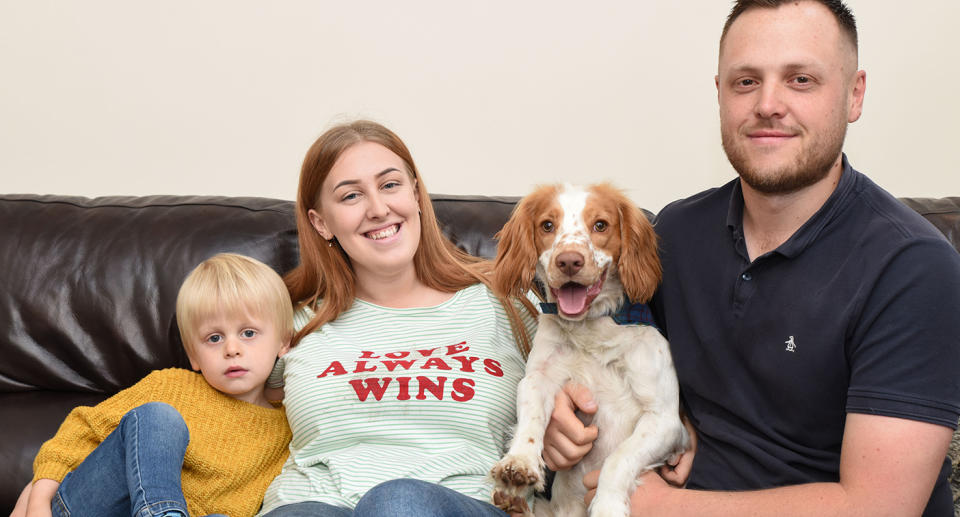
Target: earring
(330, 243)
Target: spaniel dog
(596, 255)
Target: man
(814, 320)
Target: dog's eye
(547, 226)
(600, 226)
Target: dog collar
(627, 314)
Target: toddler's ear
(284, 348)
(193, 364)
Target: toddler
(214, 430)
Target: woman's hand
(20, 509)
(567, 440)
(40, 498)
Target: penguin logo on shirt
(791, 345)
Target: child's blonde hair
(228, 283)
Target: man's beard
(809, 166)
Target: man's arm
(888, 467)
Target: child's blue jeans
(135, 471)
(398, 498)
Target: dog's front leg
(522, 468)
(657, 436)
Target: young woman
(400, 387)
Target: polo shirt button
(747, 277)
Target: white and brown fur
(592, 236)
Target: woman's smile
(368, 203)
(383, 233)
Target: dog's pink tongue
(572, 298)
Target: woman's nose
(377, 207)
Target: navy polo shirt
(859, 311)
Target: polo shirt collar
(810, 229)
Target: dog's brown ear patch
(516, 262)
(639, 266)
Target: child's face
(236, 353)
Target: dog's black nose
(570, 262)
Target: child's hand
(40, 498)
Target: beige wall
(106, 97)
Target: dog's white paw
(514, 476)
(604, 505)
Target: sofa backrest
(89, 285)
(943, 212)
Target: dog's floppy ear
(639, 265)
(516, 262)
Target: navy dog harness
(627, 314)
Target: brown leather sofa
(87, 291)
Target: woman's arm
(40, 497)
(20, 509)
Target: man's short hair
(227, 284)
(842, 13)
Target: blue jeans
(398, 498)
(135, 471)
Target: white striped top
(381, 393)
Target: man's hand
(567, 440)
(677, 470)
(647, 499)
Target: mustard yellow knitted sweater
(236, 448)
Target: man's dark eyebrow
(378, 175)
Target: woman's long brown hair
(325, 280)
